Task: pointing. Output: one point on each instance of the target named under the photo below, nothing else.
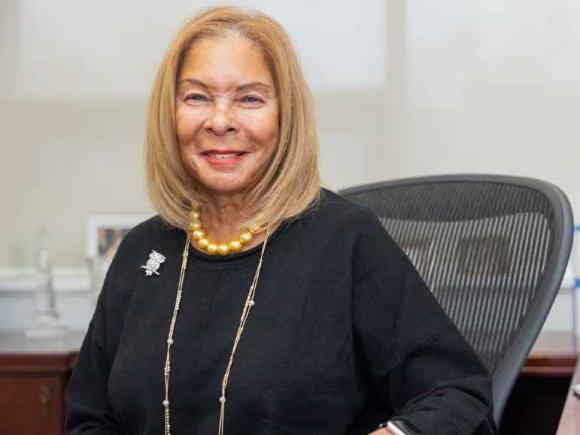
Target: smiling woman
(231, 83)
(279, 308)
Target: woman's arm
(421, 366)
(88, 411)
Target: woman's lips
(221, 158)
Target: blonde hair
(292, 182)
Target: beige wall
(485, 86)
(468, 87)
(64, 160)
(74, 79)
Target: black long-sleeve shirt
(344, 335)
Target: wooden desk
(537, 399)
(557, 355)
(34, 375)
(570, 420)
(554, 355)
(33, 378)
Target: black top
(344, 335)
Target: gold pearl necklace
(199, 235)
(170, 342)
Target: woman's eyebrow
(250, 85)
(192, 81)
(259, 85)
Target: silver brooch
(153, 264)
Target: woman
(256, 302)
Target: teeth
(222, 156)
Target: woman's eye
(195, 97)
(251, 99)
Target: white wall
(74, 82)
(489, 86)
(113, 47)
(402, 88)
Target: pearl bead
(196, 225)
(202, 243)
(222, 399)
(223, 249)
(246, 237)
(251, 303)
(198, 234)
(169, 341)
(235, 246)
(166, 402)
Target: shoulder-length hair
(291, 183)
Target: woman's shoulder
(334, 217)
(356, 223)
(151, 227)
(366, 233)
(335, 208)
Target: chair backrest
(492, 249)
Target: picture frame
(485, 256)
(105, 232)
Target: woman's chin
(225, 185)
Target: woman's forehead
(231, 62)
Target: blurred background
(402, 88)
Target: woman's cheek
(187, 121)
(264, 131)
(180, 127)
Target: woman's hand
(382, 431)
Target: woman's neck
(222, 218)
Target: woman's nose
(220, 121)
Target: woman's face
(226, 114)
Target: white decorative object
(47, 322)
(154, 263)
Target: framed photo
(104, 235)
(105, 232)
(484, 256)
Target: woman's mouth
(223, 157)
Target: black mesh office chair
(492, 249)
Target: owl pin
(154, 263)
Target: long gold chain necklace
(245, 314)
